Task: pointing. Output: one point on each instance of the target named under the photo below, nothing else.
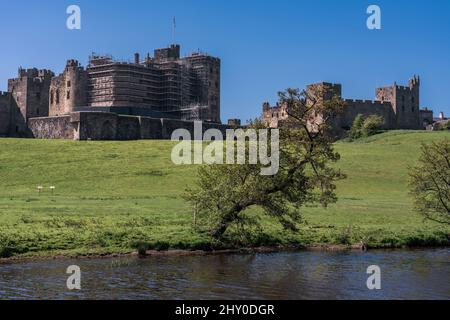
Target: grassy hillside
(110, 196)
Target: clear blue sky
(265, 45)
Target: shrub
(355, 130)
(365, 127)
(447, 125)
(372, 125)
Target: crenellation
(398, 105)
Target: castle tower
(68, 90)
(5, 113)
(325, 90)
(207, 70)
(405, 103)
(29, 92)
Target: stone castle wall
(110, 126)
(365, 108)
(52, 127)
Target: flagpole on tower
(174, 28)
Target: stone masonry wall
(5, 113)
(365, 108)
(111, 126)
(52, 127)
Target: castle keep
(398, 105)
(111, 99)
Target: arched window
(57, 96)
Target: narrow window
(68, 84)
(68, 95)
(57, 96)
(51, 97)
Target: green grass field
(110, 196)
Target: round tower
(75, 84)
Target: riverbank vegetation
(112, 197)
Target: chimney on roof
(136, 58)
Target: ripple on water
(406, 274)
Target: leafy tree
(223, 193)
(430, 182)
(372, 125)
(356, 129)
(365, 127)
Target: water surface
(406, 274)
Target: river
(405, 274)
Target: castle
(149, 98)
(110, 99)
(398, 105)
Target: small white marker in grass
(40, 189)
(52, 188)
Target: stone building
(426, 117)
(398, 105)
(29, 98)
(110, 99)
(234, 122)
(166, 83)
(5, 113)
(68, 90)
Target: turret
(414, 82)
(68, 90)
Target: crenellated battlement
(367, 102)
(402, 88)
(73, 64)
(34, 73)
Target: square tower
(30, 94)
(405, 103)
